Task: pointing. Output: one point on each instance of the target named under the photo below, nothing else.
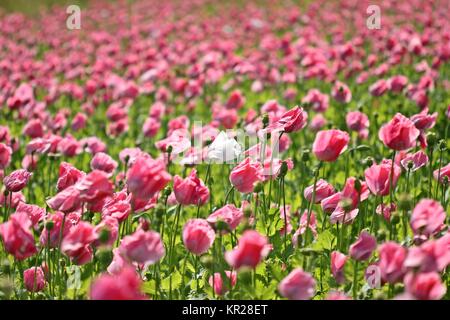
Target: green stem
(355, 280)
(313, 199)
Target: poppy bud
(207, 261)
(283, 169)
(410, 164)
(167, 191)
(104, 256)
(5, 266)
(169, 149)
(265, 120)
(247, 212)
(395, 218)
(431, 139)
(368, 161)
(305, 155)
(221, 225)
(104, 235)
(381, 235)
(49, 225)
(127, 159)
(89, 215)
(6, 287)
(258, 187)
(442, 145)
(159, 210)
(379, 295)
(346, 204)
(358, 185)
(404, 201)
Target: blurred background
(34, 6)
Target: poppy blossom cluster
(219, 151)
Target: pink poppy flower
(397, 83)
(94, 186)
(244, 176)
(231, 215)
(317, 100)
(425, 286)
(329, 144)
(378, 177)
(79, 121)
(250, 251)
(432, 255)
(124, 285)
(75, 243)
(357, 121)
(33, 129)
(34, 279)
(191, 190)
(198, 236)
(379, 88)
(17, 180)
(293, 120)
(298, 285)
(111, 225)
(338, 261)
(418, 160)
(103, 162)
(221, 286)
(68, 176)
(34, 212)
(323, 190)
(386, 210)
(428, 217)
(362, 249)
(17, 237)
(146, 177)
(179, 141)
(5, 156)
(144, 247)
(399, 134)
(318, 122)
(391, 262)
(67, 200)
(341, 93)
(118, 206)
(151, 127)
(442, 173)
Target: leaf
(176, 281)
(149, 287)
(324, 241)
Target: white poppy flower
(223, 149)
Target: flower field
(231, 150)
